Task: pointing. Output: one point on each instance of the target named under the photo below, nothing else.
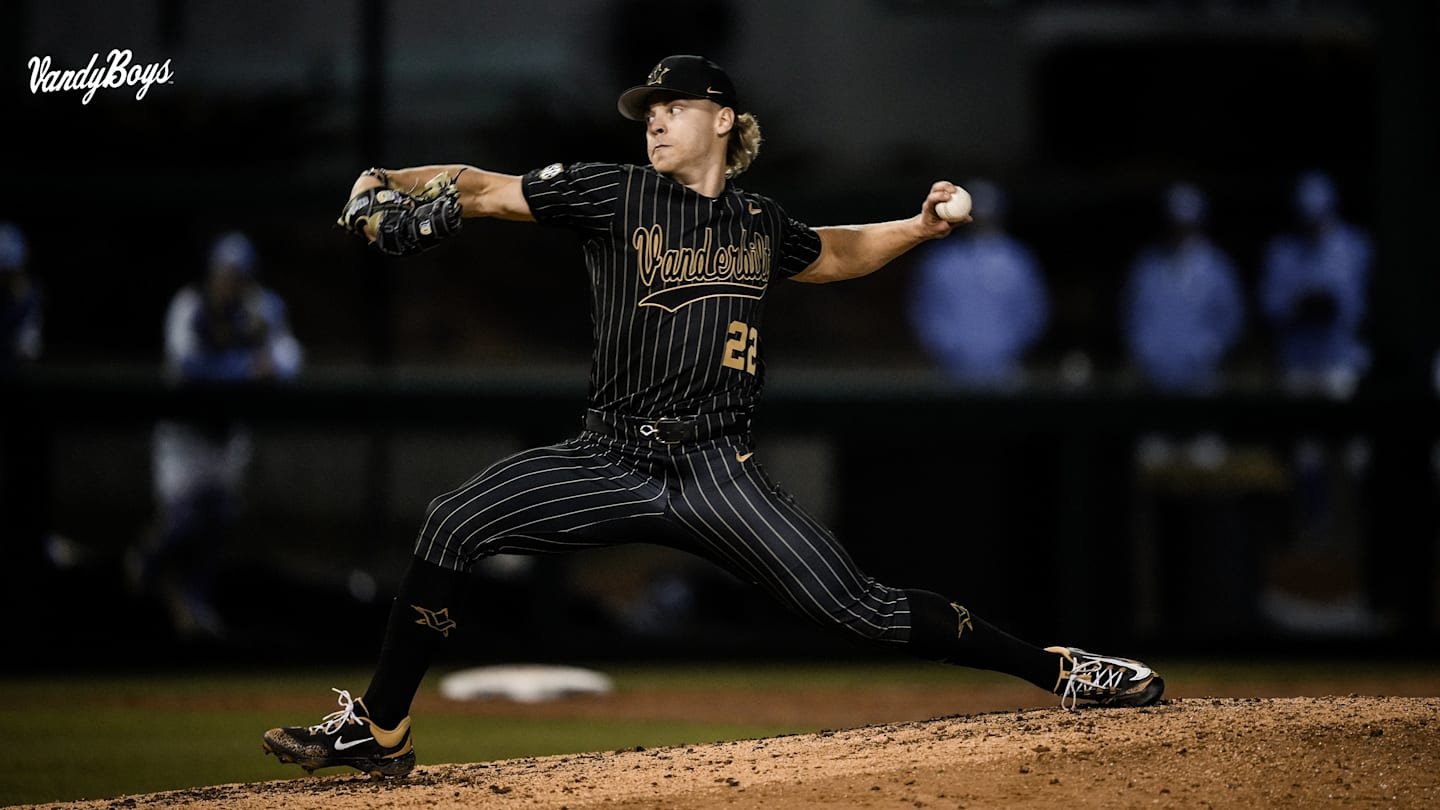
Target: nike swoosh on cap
(712, 91)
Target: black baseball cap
(684, 75)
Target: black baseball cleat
(1104, 680)
(346, 737)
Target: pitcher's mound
(1295, 752)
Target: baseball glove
(402, 224)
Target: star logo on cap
(657, 76)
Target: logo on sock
(964, 616)
(439, 621)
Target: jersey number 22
(740, 345)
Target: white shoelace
(335, 721)
(1102, 677)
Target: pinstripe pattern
(678, 282)
(658, 344)
(595, 491)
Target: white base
(523, 683)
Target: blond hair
(743, 146)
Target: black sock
(942, 630)
(421, 620)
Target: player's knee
(442, 520)
(444, 513)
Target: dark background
(1028, 505)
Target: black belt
(665, 429)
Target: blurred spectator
(226, 330)
(1183, 305)
(1313, 289)
(979, 301)
(20, 301)
(23, 448)
(1183, 310)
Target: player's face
(684, 133)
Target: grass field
(67, 738)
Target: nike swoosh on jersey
(743, 457)
(341, 745)
(754, 210)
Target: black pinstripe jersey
(677, 281)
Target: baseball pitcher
(680, 260)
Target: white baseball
(956, 208)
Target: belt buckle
(666, 430)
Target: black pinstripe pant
(708, 498)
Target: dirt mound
(1191, 752)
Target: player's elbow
(825, 270)
(500, 196)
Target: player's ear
(725, 121)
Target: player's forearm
(852, 251)
(482, 193)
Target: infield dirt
(1190, 752)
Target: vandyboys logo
(119, 70)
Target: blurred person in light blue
(979, 300)
(226, 329)
(229, 328)
(1313, 291)
(1183, 309)
(20, 302)
(1183, 303)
